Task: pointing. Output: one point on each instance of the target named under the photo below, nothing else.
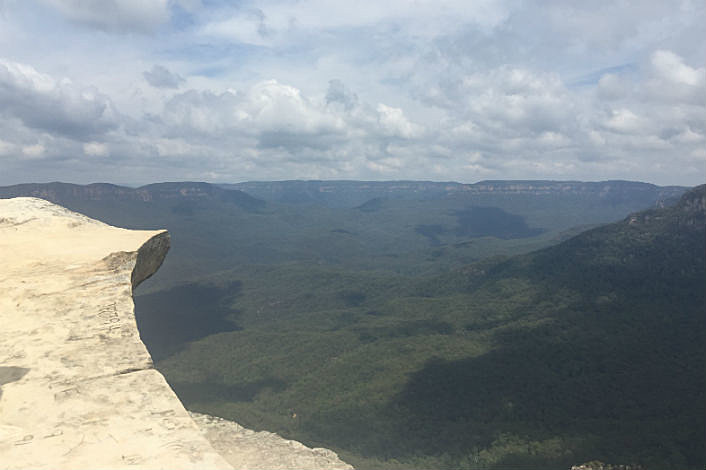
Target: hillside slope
(590, 349)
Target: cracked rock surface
(77, 386)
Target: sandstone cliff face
(77, 385)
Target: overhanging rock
(78, 389)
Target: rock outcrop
(245, 449)
(598, 465)
(77, 385)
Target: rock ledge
(77, 386)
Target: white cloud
(34, 151)
(509, 100)
(6, 148)
(624, 121)
(96, 149)
(269, 111)
(58, 106)
(672, 69)
(394, 123)
(673, 81)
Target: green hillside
(591, 349)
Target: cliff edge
(77, 385)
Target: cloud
(6, 148)
(57, 106)
(624, 121)
(337, 93)
(263, 111)
(114, 15)
(34, 151)
(96, 149)
(506, 102)
(612, 87)
(245, 26)
(672, 69)
(394, 123)
(161, 77)
(674, 81)
(443, 90)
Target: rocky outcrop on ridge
(77, 386)
(598, 465)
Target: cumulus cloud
(674, 81)
(506, 108)
(160, 77)
(394, 123)
(262, 111)
(672, 69)
(114, 15)
(58, 106)
(624, 121)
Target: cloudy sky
(138, 91)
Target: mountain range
(354, 193)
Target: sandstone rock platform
(77, 386)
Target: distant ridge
(356, 193)
(253, 196)
(62, 193)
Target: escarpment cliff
(77, 385)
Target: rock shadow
(492, 222)
(210, 391)
(11, 374)
(170, 319)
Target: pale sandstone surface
(77, 386)
(245, 449)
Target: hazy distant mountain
(186, 191)
(355, 193)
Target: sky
(140, 91)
